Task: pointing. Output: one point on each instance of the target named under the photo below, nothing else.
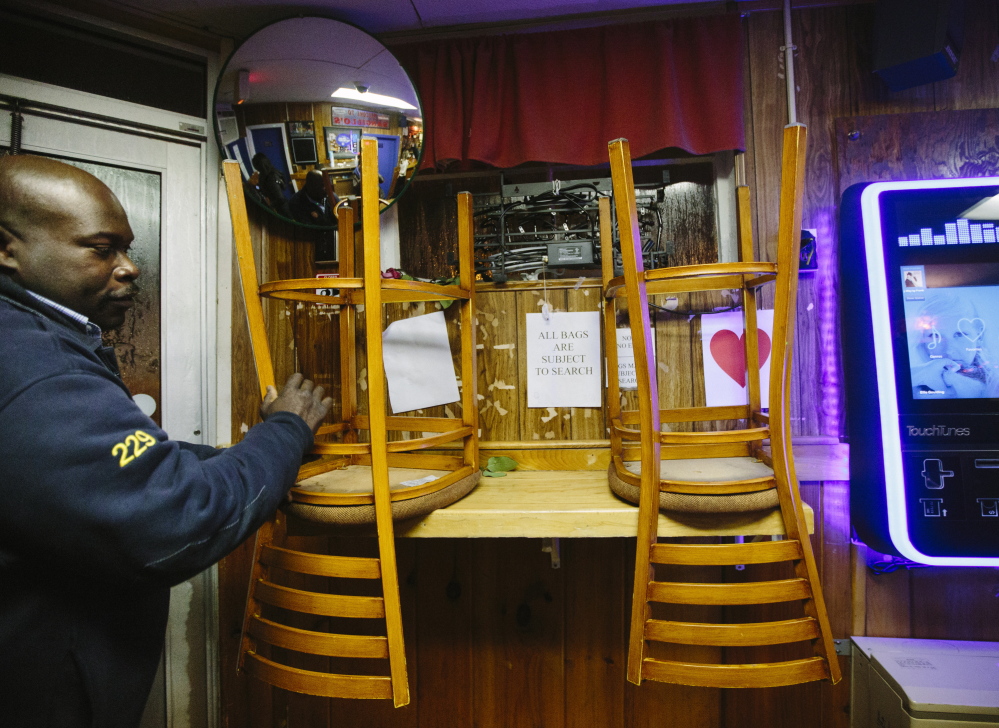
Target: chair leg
(795, 528)
(377, 397)
(645, 370)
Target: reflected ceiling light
(357, 94)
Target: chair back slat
(755, 592)
(733, 635)
(727, 554)
(314, 643)
(350, 567)
(327, 605)
(322, 684)
(769, 675)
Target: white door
(160, 177)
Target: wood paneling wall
(496, 637)
(834, 78)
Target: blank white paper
(418, 364)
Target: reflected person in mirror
(310, 205)
(100, 511)
(271, 184)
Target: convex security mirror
(294, 101)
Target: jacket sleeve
(202, 452)
(88, 483)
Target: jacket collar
(19, 297)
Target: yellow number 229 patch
(133, 447)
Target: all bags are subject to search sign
(563, 359)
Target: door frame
(386, 184)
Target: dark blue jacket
(100, 514)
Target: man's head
(65, 236)
(314, 186)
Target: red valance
(560, 96)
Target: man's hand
(300, 396)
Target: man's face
(314, 186)
(78, 257)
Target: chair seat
(708, 470)
(357, 479)
(712, 470)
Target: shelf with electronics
(533, 211)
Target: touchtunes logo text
(937, 431)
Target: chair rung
(761, 675)
(735, 487)
(755, 434)
(688, 452)
(318, 643)
(327, 685)
(733, 635)
(753, 592)
(691, 414)
(327, 605)
(718, 282)
(704, 414)
(729, 554)
(350, 567)
(693, 272)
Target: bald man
(100, 512)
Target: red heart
(729, 351)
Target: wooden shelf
(815, 461)
(568, 504)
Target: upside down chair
(714, 460)
(318, 610)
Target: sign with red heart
(729, 350)
(724, 350)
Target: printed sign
(355, 117)
(326, 291)
(563, 359)
(723, 340)
(626, 377)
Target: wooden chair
(715, 470)
(302, 604)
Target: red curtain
(561, 96)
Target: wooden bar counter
(539, 501)
(568, 504)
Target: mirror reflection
(294, 101)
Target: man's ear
(8, 244)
